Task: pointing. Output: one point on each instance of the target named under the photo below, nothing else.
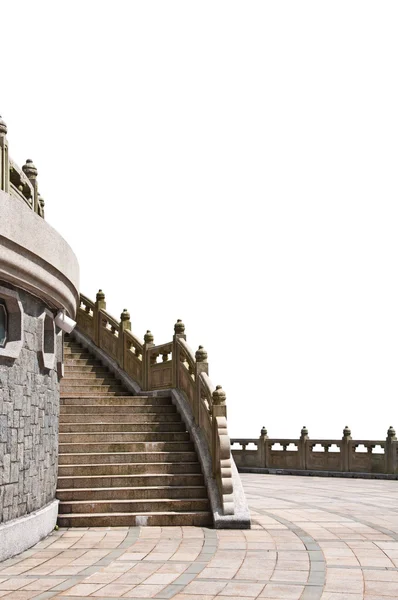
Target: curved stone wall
(34, 257)
(29, 406)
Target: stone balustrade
(167, 366)
(305, 454)
(20, 183)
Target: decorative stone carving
(47, 340)
(14, 340)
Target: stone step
(130, 447)
(130, 481)
(131, 417)
(159, 519)
(79, 370)
(132, 506)
(110, 437)
(91, 388)
(124, 400)
(95, 395)
(107, 409)
(71, 355)
(162, 493)
(118, 469)
(118, 427)
(70, 362)
(130, 457)
(90, 380)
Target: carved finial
(3, 126)
(179, 327)
(304, 431)
(201, 354)
(100, 295)
(263, 431)
(346, 432)
(29, 169)
(148, 337)
(125, 316)
(219, 396)
(391, 433)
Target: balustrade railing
(20, 183)
(170, 365)
(305, 454)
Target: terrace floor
(312, 539)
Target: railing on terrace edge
(171, 365)
(345, 455)
(20, 183)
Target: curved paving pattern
(312, 539)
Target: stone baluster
(31, 173)
(148, 344)
(124, 325)
(179, 332)
(100, 304)
(201, 366)
(4, 162)
(303, 448)
(346, 449)
(391, 451)
(263, 448)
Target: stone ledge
(34, 257)
(311, 473)
(20, 534)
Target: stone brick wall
(29, 407)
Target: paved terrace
(312, 538)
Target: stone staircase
(124, 460)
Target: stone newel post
(303, 447)
(148, 344)
(219, 410)
(263, 447)
(179, 332)
(391, 451)
(125, 325)
(31, 173)
(100, 304)
(201, 366)
(346, 449)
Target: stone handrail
(20, 183)
(167, 366)
(305, 454)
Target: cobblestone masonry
(29, 404)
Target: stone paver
(311, 539)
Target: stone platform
(312, 538)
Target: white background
(232, 164)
